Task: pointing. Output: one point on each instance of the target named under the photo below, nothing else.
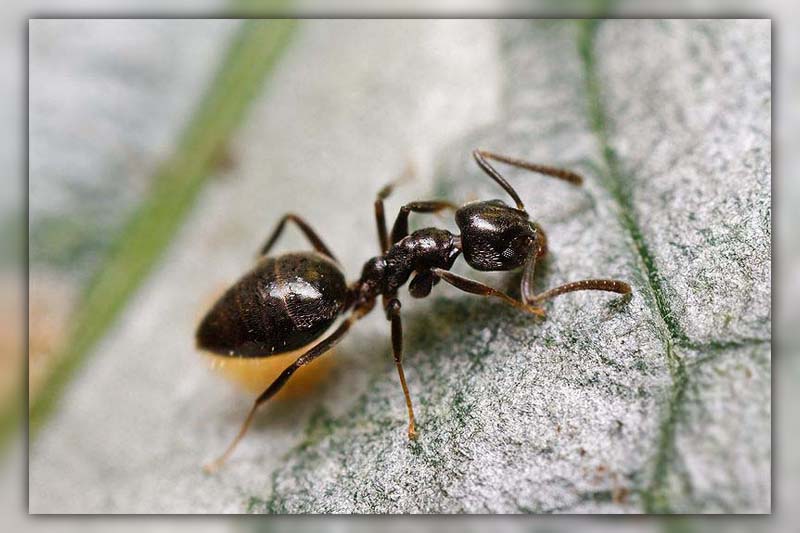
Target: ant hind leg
(317, 350)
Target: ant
(288, 301)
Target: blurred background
(193, 138)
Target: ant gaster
(288, 301)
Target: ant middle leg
(317, 350)
(482, 156)
(393, 314)
(310, 234)
(481, 289)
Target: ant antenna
(481, 157)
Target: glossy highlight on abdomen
(281, 305)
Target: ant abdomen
(281, 305)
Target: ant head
(495, 236)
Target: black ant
(288, 301)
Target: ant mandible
(288, 301)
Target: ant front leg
(526, 285)
(310, 234)
(393, 314)
(380, 217)
(400, 228)
(318, 349)
(476, 287)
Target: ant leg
(481, 157)
(609, 285)
(400, 228)
(317, 350)
(383, 194)
(475, 287)
(393, 314)
(380, 217)
(526, 285)
(310, 234)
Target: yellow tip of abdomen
(255, 374)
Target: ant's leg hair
(400, 228)
(383, 194)
(475, 287)
(393, 314)
(310, 234)
(317, 350)
(481, 157)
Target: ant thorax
(418, 252)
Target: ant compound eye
(518, 248)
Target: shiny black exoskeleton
(281, 305)
(287, 302)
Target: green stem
(252, 56)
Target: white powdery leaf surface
(723, 435)
(689, 105)
(108, 98)
(688, 108)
